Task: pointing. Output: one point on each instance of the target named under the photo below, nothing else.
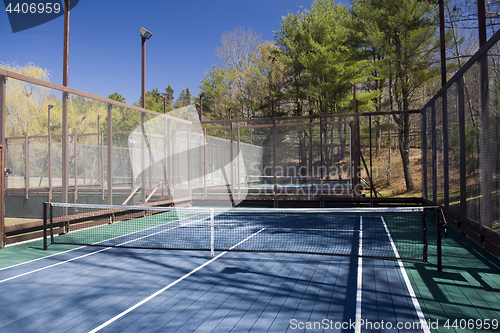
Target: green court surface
(17, 254)
(464, 297)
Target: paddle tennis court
(225, 270)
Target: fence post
(446, 178)
(26, 166)
(2, 202)
(143, 158)
(110, 154)
(434, 152)
(3, 85)
(275, 159)
(463, 158)
(75, 144)
(65, 173)
(190, 187)
(423, 114)
(485, 158)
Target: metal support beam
(446, 176)
(462, 143)
(3, 108)
(424, 152)
(190, 170)
(434, 152)
(110, 154)
(65, 159)
(481, 18)
(65, 96)
(355, 146)
(442, 41)
(2, 201)
(485, 147)
(143, 157)
(275, 161)
(3, 99)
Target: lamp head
(145, 33)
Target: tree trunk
(404, 148)
(378, 135)
(342, 141)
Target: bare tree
(237, 46)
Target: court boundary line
(51, 255)
(53, 265)
(413, 296)
(359, 286)
(88, 254)
(150, 297)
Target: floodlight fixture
(145, 34)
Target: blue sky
(105, 45)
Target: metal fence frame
(436, 160)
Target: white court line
(88, 254)
(147, 299)
(359, 289)
(52, 255)
(414, 299)
(53, 265)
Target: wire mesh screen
(428, 172)
(438, 160)
(472, 110)
(453, 148)
(462, 134)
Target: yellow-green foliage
(26, 101)
(27, 106)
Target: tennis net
(392, 233)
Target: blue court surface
(93, 289)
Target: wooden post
(143, 157)
(170, 160)
(190, 188)
(204, 160)
(75, 144)
(423, 127)
(65, 96)
(275, 158)
(110, 154)
(26, 166)
(355, 147)
(2, 202)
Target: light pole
(145, 35)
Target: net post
(438, 240)
(45, 204)
(425, 235)
(51, 217)
(212, 232)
